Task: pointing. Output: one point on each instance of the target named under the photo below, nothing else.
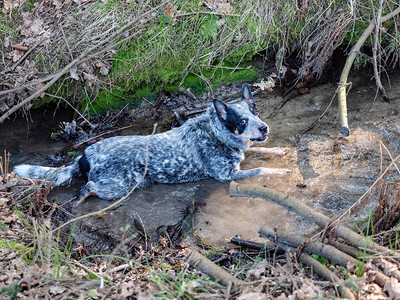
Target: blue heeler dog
(210, 145)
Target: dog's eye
(243, 121)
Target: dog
(210, 145)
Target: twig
(374, 51)
(77, 111)
(344, 127)
(205, 13)
(390, 155)
(313, 263)
(66, 42)
(285, 239)
(101, 134)
(319, 248)
(321, 116)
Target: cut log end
(344, 130)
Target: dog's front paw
(273, 171)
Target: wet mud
(329, 172)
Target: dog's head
(241, 118)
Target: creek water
(329, 172)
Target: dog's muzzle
(264, 131)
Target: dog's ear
(247, 95)
(220, 108)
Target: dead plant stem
(374, 53)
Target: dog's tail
(60, 176)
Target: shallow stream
(329, 172)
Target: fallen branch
(292, 204)
(344, 127)
(285, 240)
(206, 266)
(323, 271)
(388, 268)
(321, 249)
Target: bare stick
(323, 271)
(387, 267)
(269, 246)
(374, 51)
(314, 247)
(292, 204)
(77, 111)
(206, 266)
(344, 127)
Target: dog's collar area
(224, 142)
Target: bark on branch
(344, 126)
(206, 266)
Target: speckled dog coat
(210, 145)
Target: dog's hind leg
(86, 191)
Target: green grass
(362, 257)
(11, 290)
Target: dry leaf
(252, 296)
(20, 47)
(258, 269)
(389, 267)
(266, 85)
(393, 288)
(38, 87)
(221, 22)
(127, 289)
(57, 289)
(17, 55)
(10, 4)
(73, 72)
(169, 11)
(6, 41)
(90, 79)
(225, 8)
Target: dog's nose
(264, 129)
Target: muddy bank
(329, 172)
